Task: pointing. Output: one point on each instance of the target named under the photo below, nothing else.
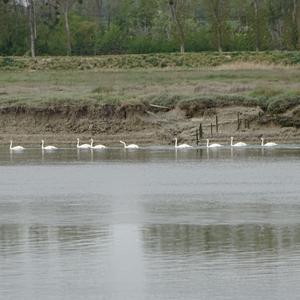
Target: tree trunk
(182, 48)
(179, 26)
(216, 8)
(67, 26)
(32, 27)
(257, 33)
(99, 5)
(295, 24)
(219, 37)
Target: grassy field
(274, 88)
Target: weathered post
(211, 129)
(248, 124)
(200, 131)
(217, 124)
(238, 121)
(197, 137)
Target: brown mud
(145, 124)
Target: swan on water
(16, 148)
(83, 146)
(267, 144)
(212, 145)
(131, 146)
(182, 146)
(97, 146)
(240, 144)
(48, 147)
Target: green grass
(275, 89)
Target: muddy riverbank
(145, 123)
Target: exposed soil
(144, 124)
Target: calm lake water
(150, 224)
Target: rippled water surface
(150, 224)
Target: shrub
(281, 104)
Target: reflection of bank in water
(180, 239)
(63, 237)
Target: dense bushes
(160, 60)
(148, 26)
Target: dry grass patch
(244, 65)
(221, 88)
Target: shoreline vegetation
(150, 98)
(189, 60)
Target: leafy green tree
(11, 27)
(58, 27)
(296, 24)
(84, 37)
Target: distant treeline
(91, 27)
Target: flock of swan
(91, 146)
(239, 144)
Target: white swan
(267, 144)
(16, 148)
(212, 145)
(182, 146)
(48, 147)
(131, 146)
(240, 144)
(97, 146)
(83, 146)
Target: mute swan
(212, 145)
(16, 148)
(48, 147)
(240, 144)
(131, 146)
(83, 146)
(97, 146)
(267, 144)
(181, 146)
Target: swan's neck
(77, 142)
(42, 144)
(123, 144)
(262, 142)
(207, 143)
(231, 142)
(92, 142)
(10, 145)
(175, 142)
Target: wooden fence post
(238, 121)
(200, 131)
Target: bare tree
(29, 6)
(296, 23)
(65, 7)
(218, 13)
(256, 6)
(32, 26)
(99, 7)
(179, 11)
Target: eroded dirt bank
(144, 123)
